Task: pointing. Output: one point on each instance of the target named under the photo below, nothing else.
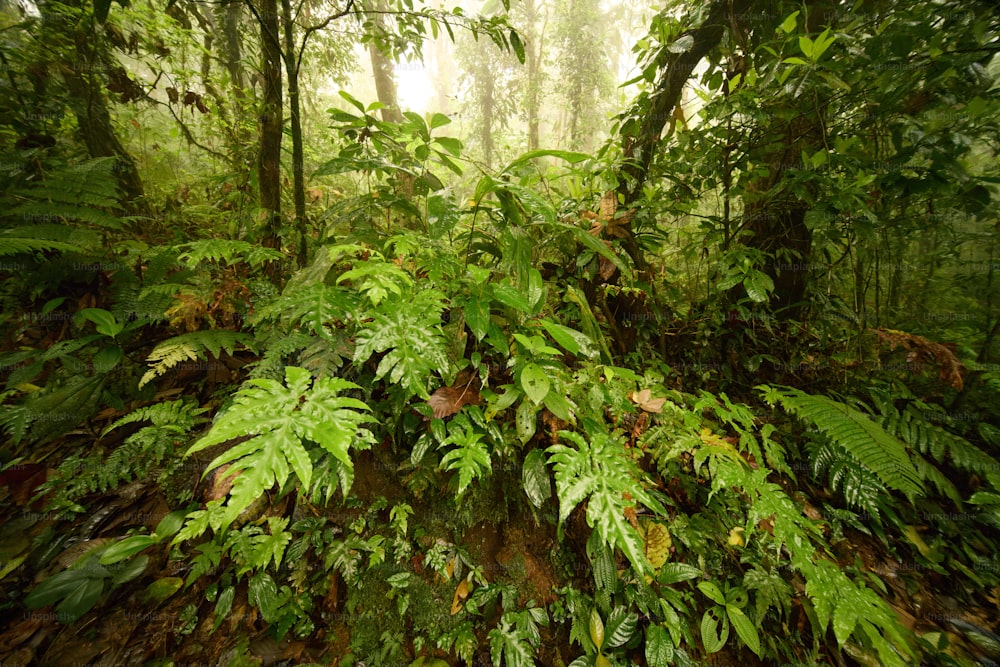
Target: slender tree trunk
(269, 156)
(383, 69)
(298, 156)
(533, 58)
(639, 148)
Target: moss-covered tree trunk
(270, 123)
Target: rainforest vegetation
(517, 332)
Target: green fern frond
(599, 471)
(13, 244)
(86, 192)
(192, 346)
(276, 352)
(180, 416)
(316, 307)
(409, 332)
(918, 428)
(844, 474)
(229, 251)
(281, 418)
(879, 451)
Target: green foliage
(408, 331)
(599, 471)
(279, 418)
(226, 251)
(191, 347)
(79, 588)
(881, 452)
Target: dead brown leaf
(644, 399)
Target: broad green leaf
(513, 297)
(169, 525)
(517, 45)
(450, 144)
(353, 101)
(620, 626)
(568, 156)
(571, 340)
(659, 648)
(263, 594)
(80, 600)
(439, 120)
(535, 478)
(534, 382)
(745, 630)
(788, 25)
(559, 405)
(126, 548)
(525, 421)
(105, 322)
(161, 589)
(133, 569)
(758, 285)
(596, 629)
(54, 588)
(711, 636)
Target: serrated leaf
(659, 648)
(672, 573)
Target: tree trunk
(298, 156)
(383, 69)
(638, 149)
(90, 106)
(533, 59)
(269, 156)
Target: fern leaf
(869, 443)
(164, 357)
(17, 245)
(410, 334)
(229, 251)
(470, 456)
(316, 306)
(280, 418)
(192, 346)
(600, 470)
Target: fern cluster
(150, 452)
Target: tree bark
(383, 70)
(90, 106)
(676, 69)
(270, 123)
(298, 155)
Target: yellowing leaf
(658, 543)
(461, 593)
(736, 537)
